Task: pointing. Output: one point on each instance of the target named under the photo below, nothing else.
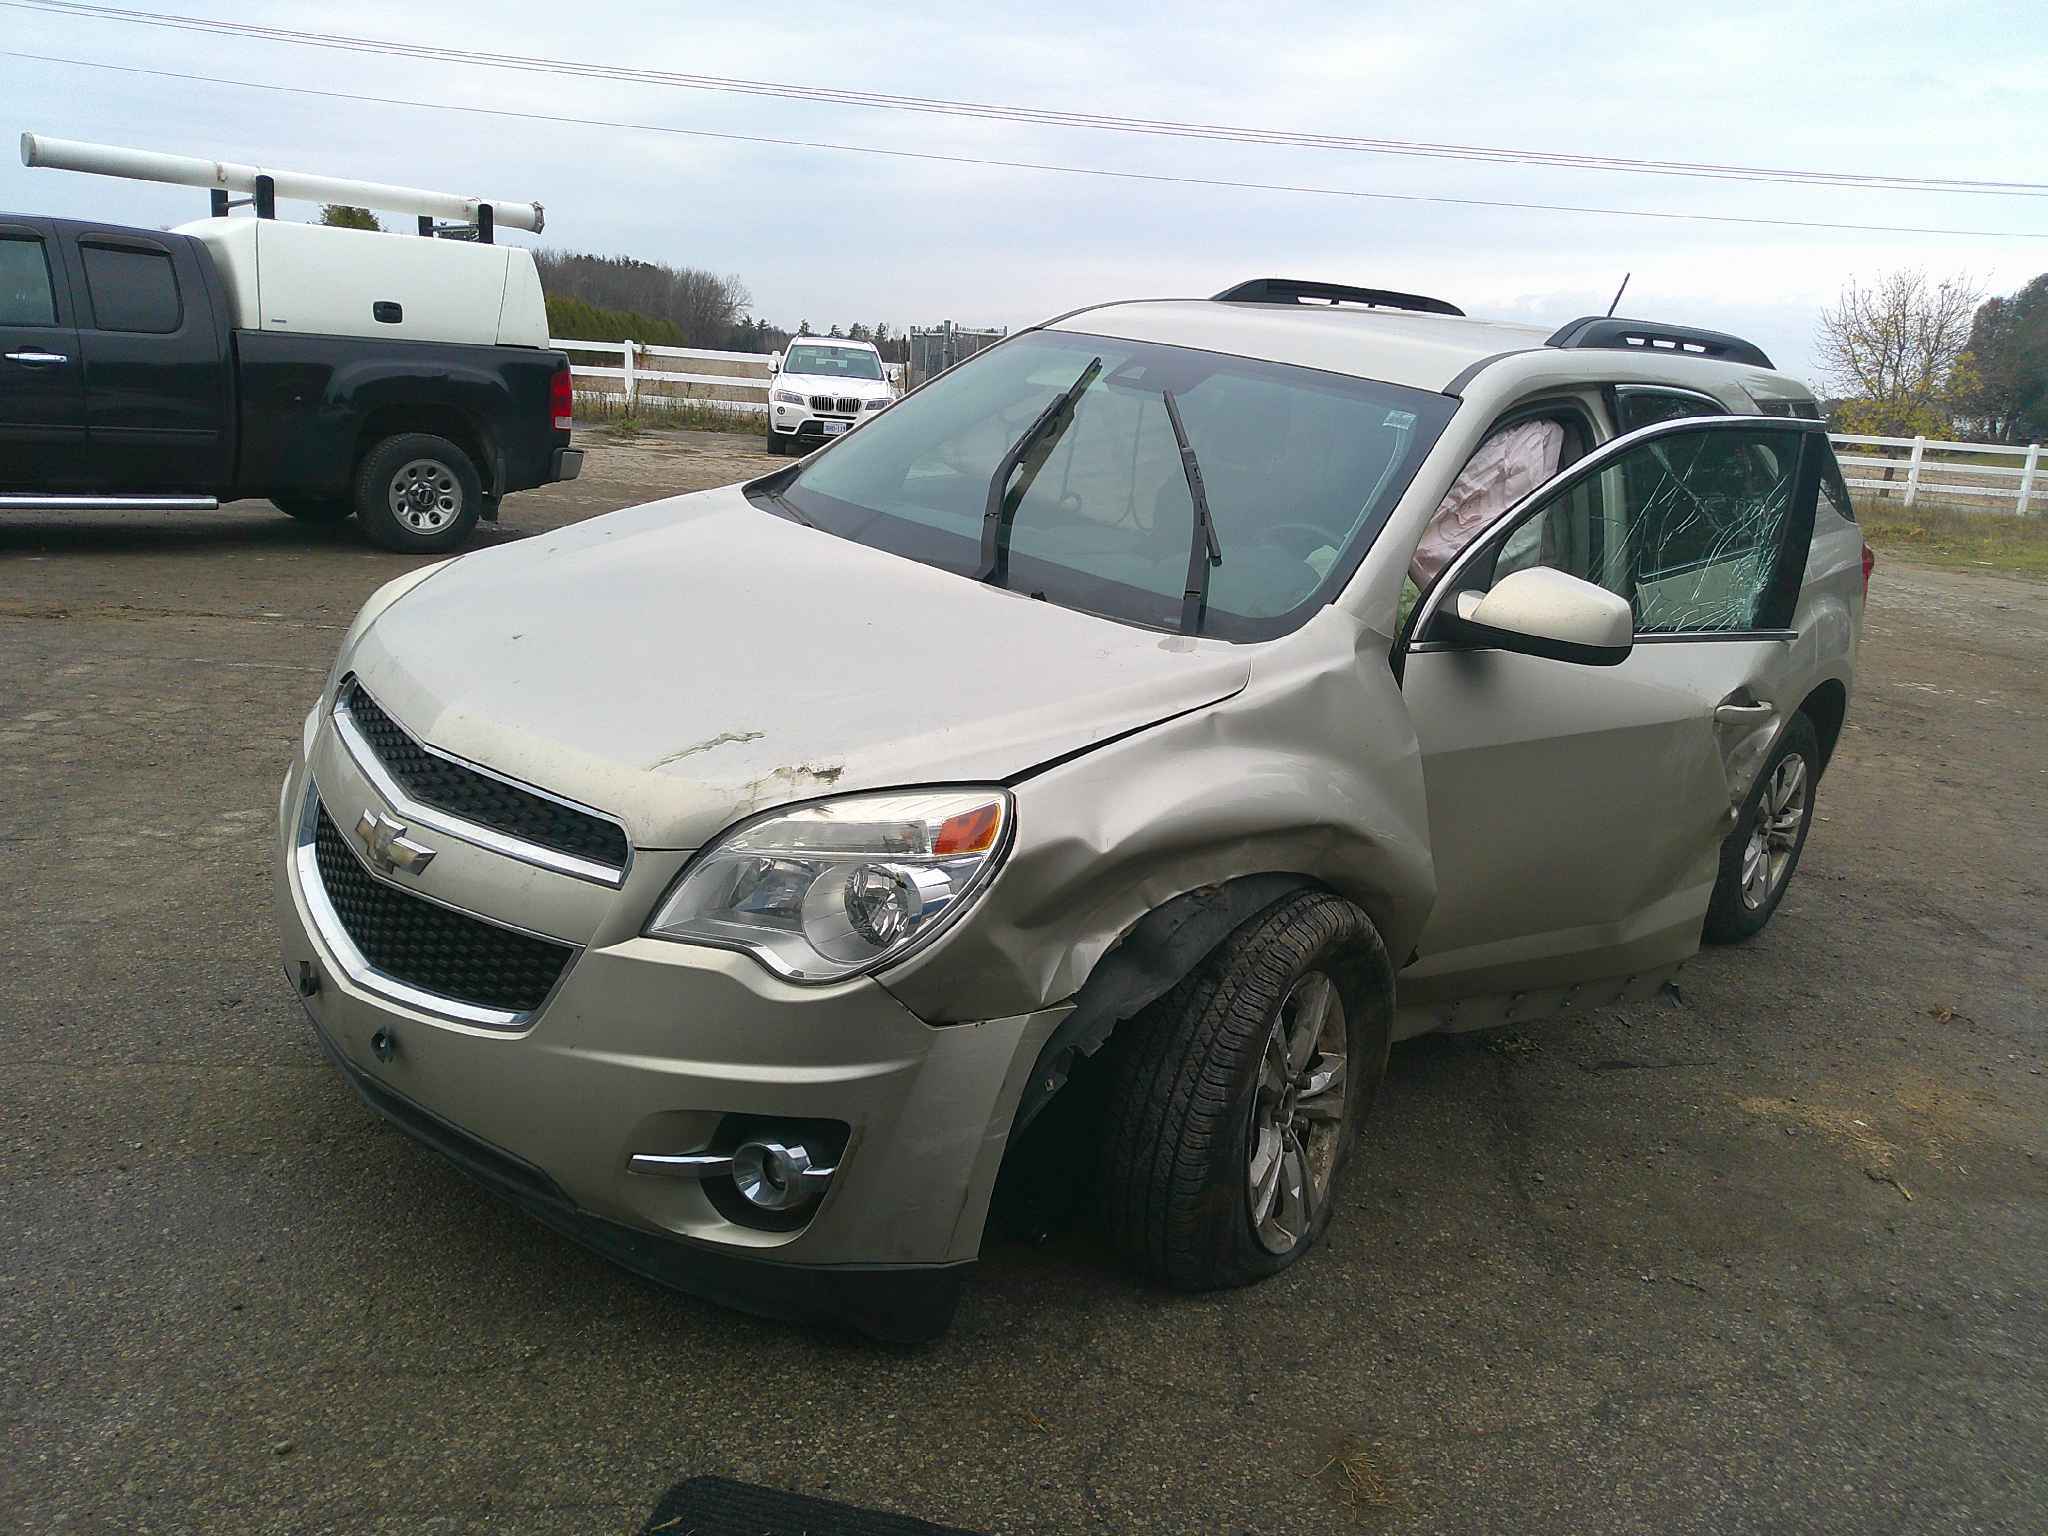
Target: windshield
(833, 362)
(1300, 470)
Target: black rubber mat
(717, 1506)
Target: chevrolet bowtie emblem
(389, 848)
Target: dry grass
(1956, 538)
(1354, 1479)
(610, 411)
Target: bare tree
(1894, 352)
(704, 306)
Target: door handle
(1744, 714)
(28, 357)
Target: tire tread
(1174, 1093)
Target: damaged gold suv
(1218, 689)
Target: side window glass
(131, 290)
(1834, 490)
(1635, 406)
(26, 297)
(1687, 527)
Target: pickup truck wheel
(1235, 1100)
(418, 494)
(1760, 854)
(324, 512)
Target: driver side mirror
(1544, 612)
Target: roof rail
(1654, 336)
(1288, 290)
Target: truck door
(42, 398)
(155, 363)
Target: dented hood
(685, 663)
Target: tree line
(1912, 356)
(652, 301)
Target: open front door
(1576, 812)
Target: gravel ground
(1767, 1256)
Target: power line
(1039, 116)
(1024, 165)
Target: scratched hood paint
(685, 663)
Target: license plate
(834, 428)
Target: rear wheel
(323, 512)
(1759, 856)
(1236, 1098)
(418, 494)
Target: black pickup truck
(336, 372)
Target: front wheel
(418, 494)
(1236, 1098)
(1760, 854)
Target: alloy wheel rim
(1774, 833)
(425, 496)
(1297, 1114)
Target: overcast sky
(836, 237)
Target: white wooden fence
(1936, 469)
(738, 381)
(634, 371)
(630, 367)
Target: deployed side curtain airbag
(1508, 466)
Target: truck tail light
(562, 399)
(1869, 565)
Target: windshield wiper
(781, 479)
(1203, 550)
(1001, 510)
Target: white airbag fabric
(1507, 466)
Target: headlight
(876, 405)
(789, 397)
(836, 888)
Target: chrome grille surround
(490, 943)
(486, 791)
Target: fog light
(776, 1175)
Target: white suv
(823, 388)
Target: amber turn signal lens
(971, 831)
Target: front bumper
(647, 1046)
(799, 426)
(804, 423)
(902, 1303)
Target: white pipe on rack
(222, 175)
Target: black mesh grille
(480, 798)
(411, 939)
